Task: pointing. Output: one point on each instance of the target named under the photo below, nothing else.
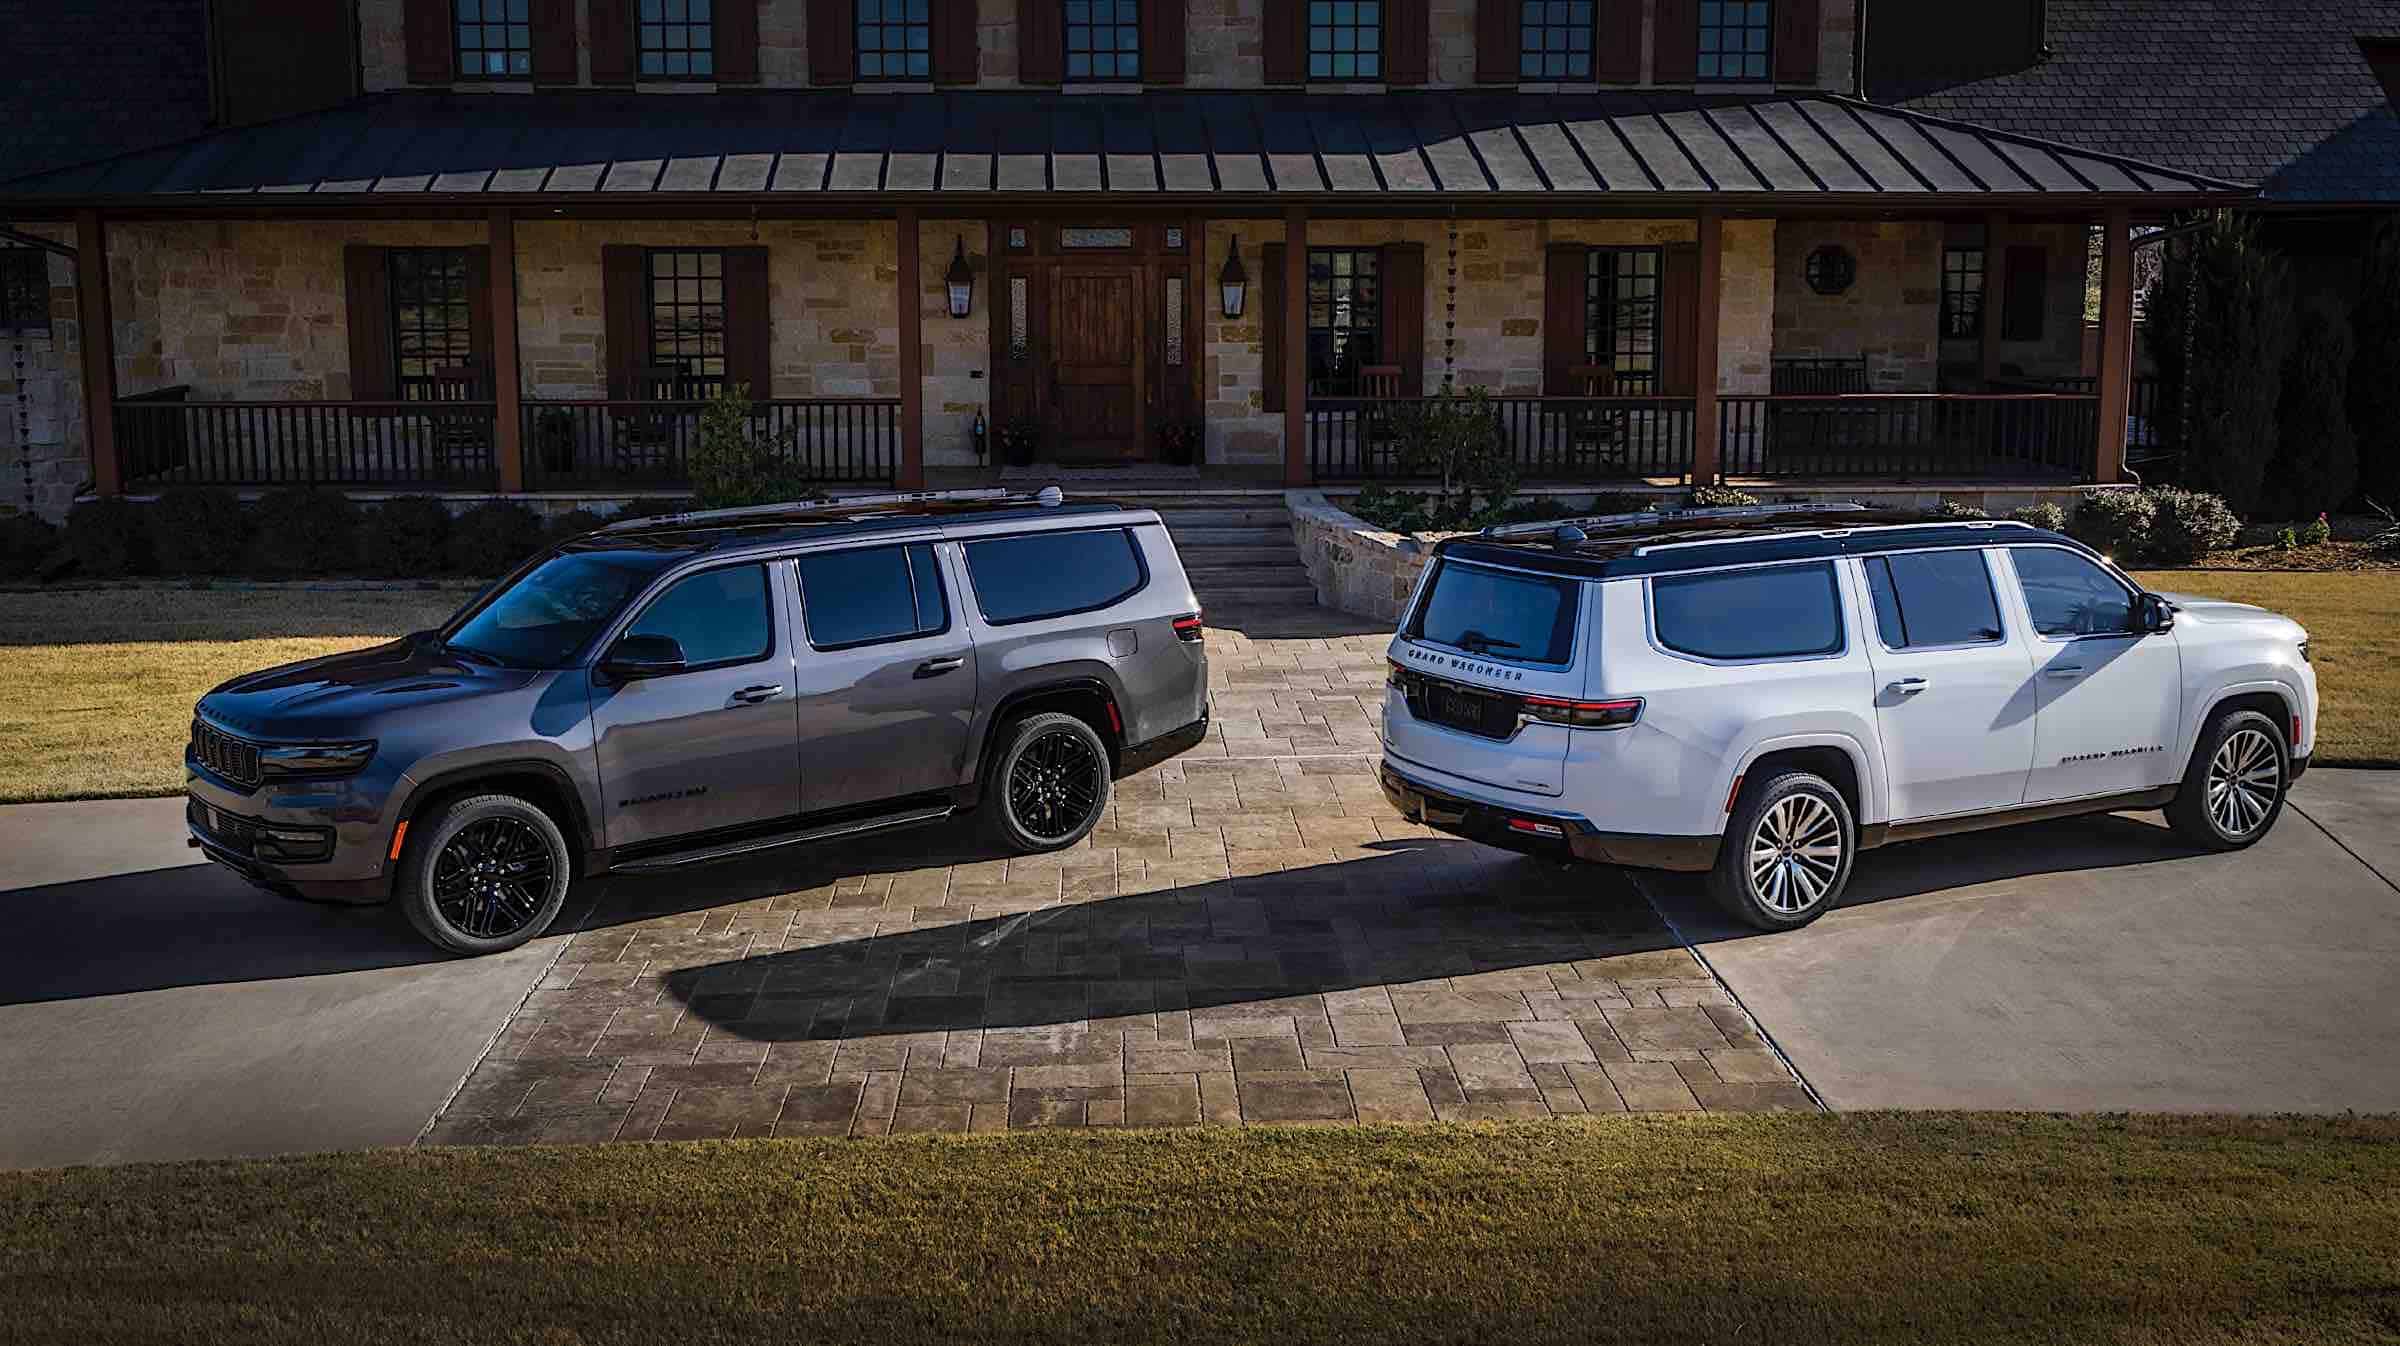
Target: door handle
(934, 668)
(765, 691)
(2065, 670)
(1909, 686)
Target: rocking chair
(642, 429)
(1379, 433)
(1596, 436)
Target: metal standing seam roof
(1366, 148)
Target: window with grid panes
(678, 40)
(24, 290)
(495, 39)
(687, 317)
(1345, 316)
(1962, 292)
(895, 40)
(1621, 316)
(1734, 37)
(1345, 39)
(1104, 39)
(1556, 40)
(431, 328)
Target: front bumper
(1557, 836)
(244, 841)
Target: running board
(727, 851)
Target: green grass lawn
(2353, 621)
(1789, 1228)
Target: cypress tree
(2375, 365)
(2316, 467)
(2222, 315)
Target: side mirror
(2155, 614)
(636, 657)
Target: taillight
(1394, 675)
(1531, 828)
(1188, 629)
(1583, 714)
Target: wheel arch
(541, 784)
(2271, 699)
(1837, 757)
(1087, 697)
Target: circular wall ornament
(1831, 269)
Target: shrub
(2043, 515)
(1958, 509)
(198, 530)
(2114, 523)
(650, 507)
(735, 461)
(1457, 437)
(2318, 531)
(304, 530)
(2187, 525)
(2374, 394)
(2222, 311)
(2286, 539)
(1719, 497)
(406, 536)
(109, 537)
(2316, 461)
(574, 523)
(1621, 502)
(26, 542)
(490, 539)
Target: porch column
(910, 475)
(1295, 347)
(99, 339)
(1705, 430)
(2116, 344)
(508, 439)
(1995, 278)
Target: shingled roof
(2271, 92)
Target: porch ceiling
(1382, 151)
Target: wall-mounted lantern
(961, 281)
(1233, 283)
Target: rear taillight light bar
(1189, 630)
(1582, 714)
(1394, 675)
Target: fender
(1079, 678)
(1868, 766)
(2197, 710)
(505, 760)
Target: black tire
(1048, 783)
(2233, 787)
(484, 874)
(1773, 870)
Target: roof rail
(1510, 532)
(819, 506)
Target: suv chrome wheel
(1795, 854)
(1787, 850)
(2245, 777)
(1054, 785)
(493, 877)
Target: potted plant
(1179, 442)
(1020, 441)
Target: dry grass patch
(2353, 621)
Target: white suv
(1764, 692)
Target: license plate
(1461, 710)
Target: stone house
(526, 238)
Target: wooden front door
(1099, 405)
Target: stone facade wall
(956, 376)
(2059, 351)
(1354, 566)
(41, 403)
(1891, 315)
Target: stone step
(1250, 594)
(1218, 557)
(1230, 537)
(1195, 517)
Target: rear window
(1037, 575)
(1503, 614)
(1933, 598)
(1774, 612)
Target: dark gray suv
(675, 690)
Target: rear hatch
(1480, 641)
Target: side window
(718, 616)
(2069, 595)
(1933, 598)
(870, 595)
(1036, 575)
(1774, 612)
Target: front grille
(234, 759)
(1457, 705)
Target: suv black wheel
(484, 873)
(2233, 787)
(1049, 783)
(1787, 851)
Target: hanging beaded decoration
(1450, 310)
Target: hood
(346, 693)
(2220, 612)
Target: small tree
(2222, 309)
(734, 461)
(2316, 464)
(1458, 438)
(2374, 389)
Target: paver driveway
(1253, 935)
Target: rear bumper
(1142, 756)
(2300, 766)
(1557, 836)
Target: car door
(886, 675)
(2111, 695)
(1954, 702)
(711, 747)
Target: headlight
(2304, 653)
(315, 759)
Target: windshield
(548, 613)
(1527, 619)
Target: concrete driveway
(2095, 964)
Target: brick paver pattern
(1253, 935)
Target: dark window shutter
(479, 317)
(553, 41)
(367, 309)
(736, 38)
(1563, 270)
(2028, 287)
(1402, 340)
(954, 57)
(1406, 41)
(1499, 38)
(611, 40)
(1270, 324)
(1795, 41)
(625, 311)
(832, 42)
(426, 32)
(749, 341)
(1679, 321)
(1675, 47)
(1283, 39)
(1041, 43)
(1617, 45)
(1162, 41)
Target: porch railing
(587, 444)
(1909, 436)
(1558, 438)
(166, 441)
